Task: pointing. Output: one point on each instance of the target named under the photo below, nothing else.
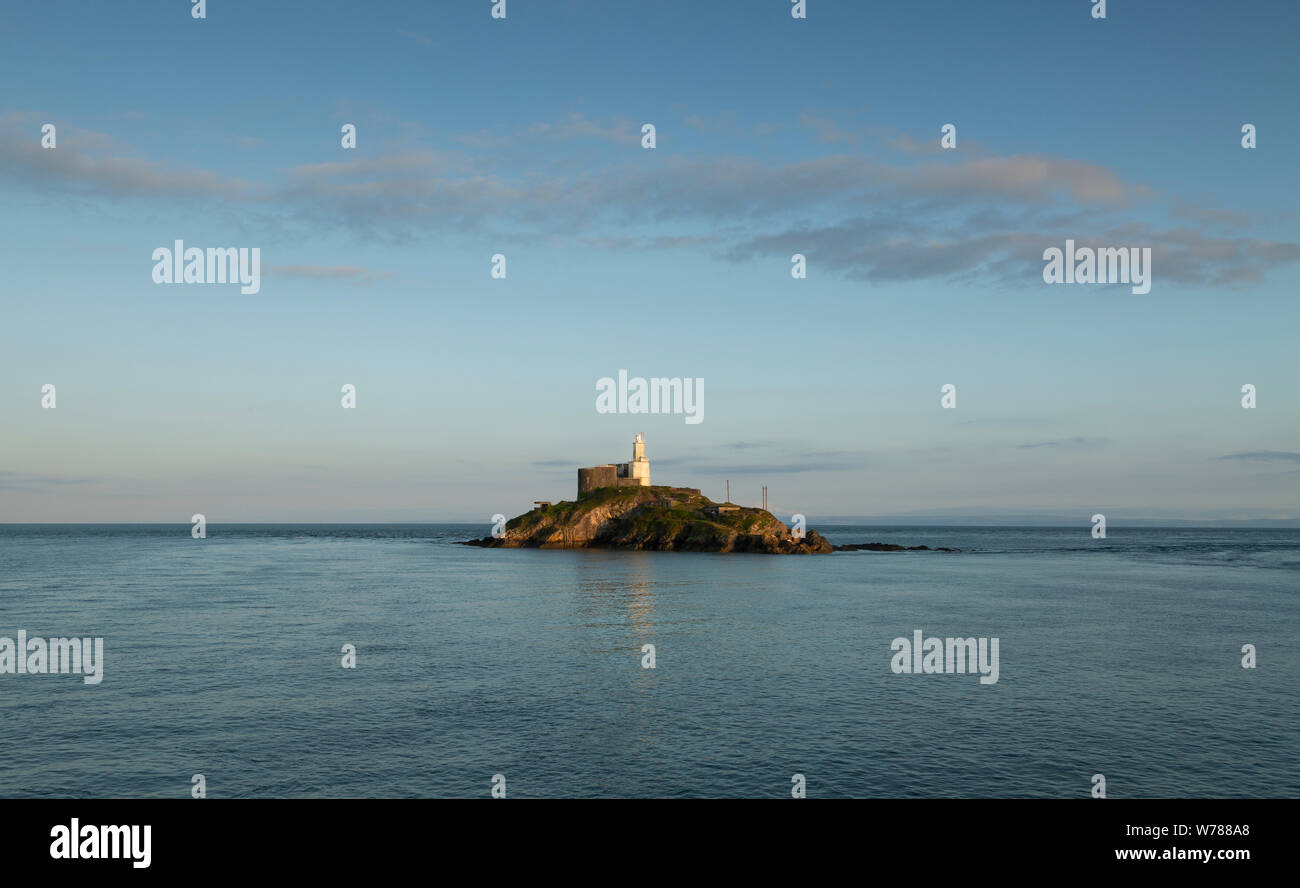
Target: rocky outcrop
(653, 518)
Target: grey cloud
(879, 250)
(422, 39)
(1190, 256)
(1005, 421)
(1076, 442)
(1026, 177)
(1187, 210)
(826, 129)
(792, 468)
(96, 162)
(748, 445)
(652, 243)
(1263, 456)
(577, 126)
(796, 462)
(721, 123)
(909, 145)
(29, 481)
(959, 220)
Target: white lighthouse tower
(639, 468)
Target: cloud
(960, 220)
(1186, 210)
(880, 249)
(792, 468)
(1190, 256)
(826, 129)
(909, 145)
(422, 39)
(95, 162)
(1027, 178)
(748, 445)
(622, 242)
(721, 123)
(795, 462)
(577, 126)
(1066, 442)
(29, 481)
(1263, 456)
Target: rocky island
(618, 508)
(675, 519)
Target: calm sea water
(1120, 657)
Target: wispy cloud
(827, 130)
(28, 481)
(1263, 456)
(95, 162)
(1076, 442)
(578, 126)
(422, 39)
(960, 220)
(793, 461)
(1212, 215)
(749, 445)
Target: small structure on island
(720, 508)
(629, 474)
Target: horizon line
(843, 521)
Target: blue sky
(522, 137)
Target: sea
(1167, 661)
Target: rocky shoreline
(664, 519)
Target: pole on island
(728, 491)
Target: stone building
(629, 474)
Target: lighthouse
(639, 468)
(629, 474)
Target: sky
(522, 136)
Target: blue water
(1118, 656)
